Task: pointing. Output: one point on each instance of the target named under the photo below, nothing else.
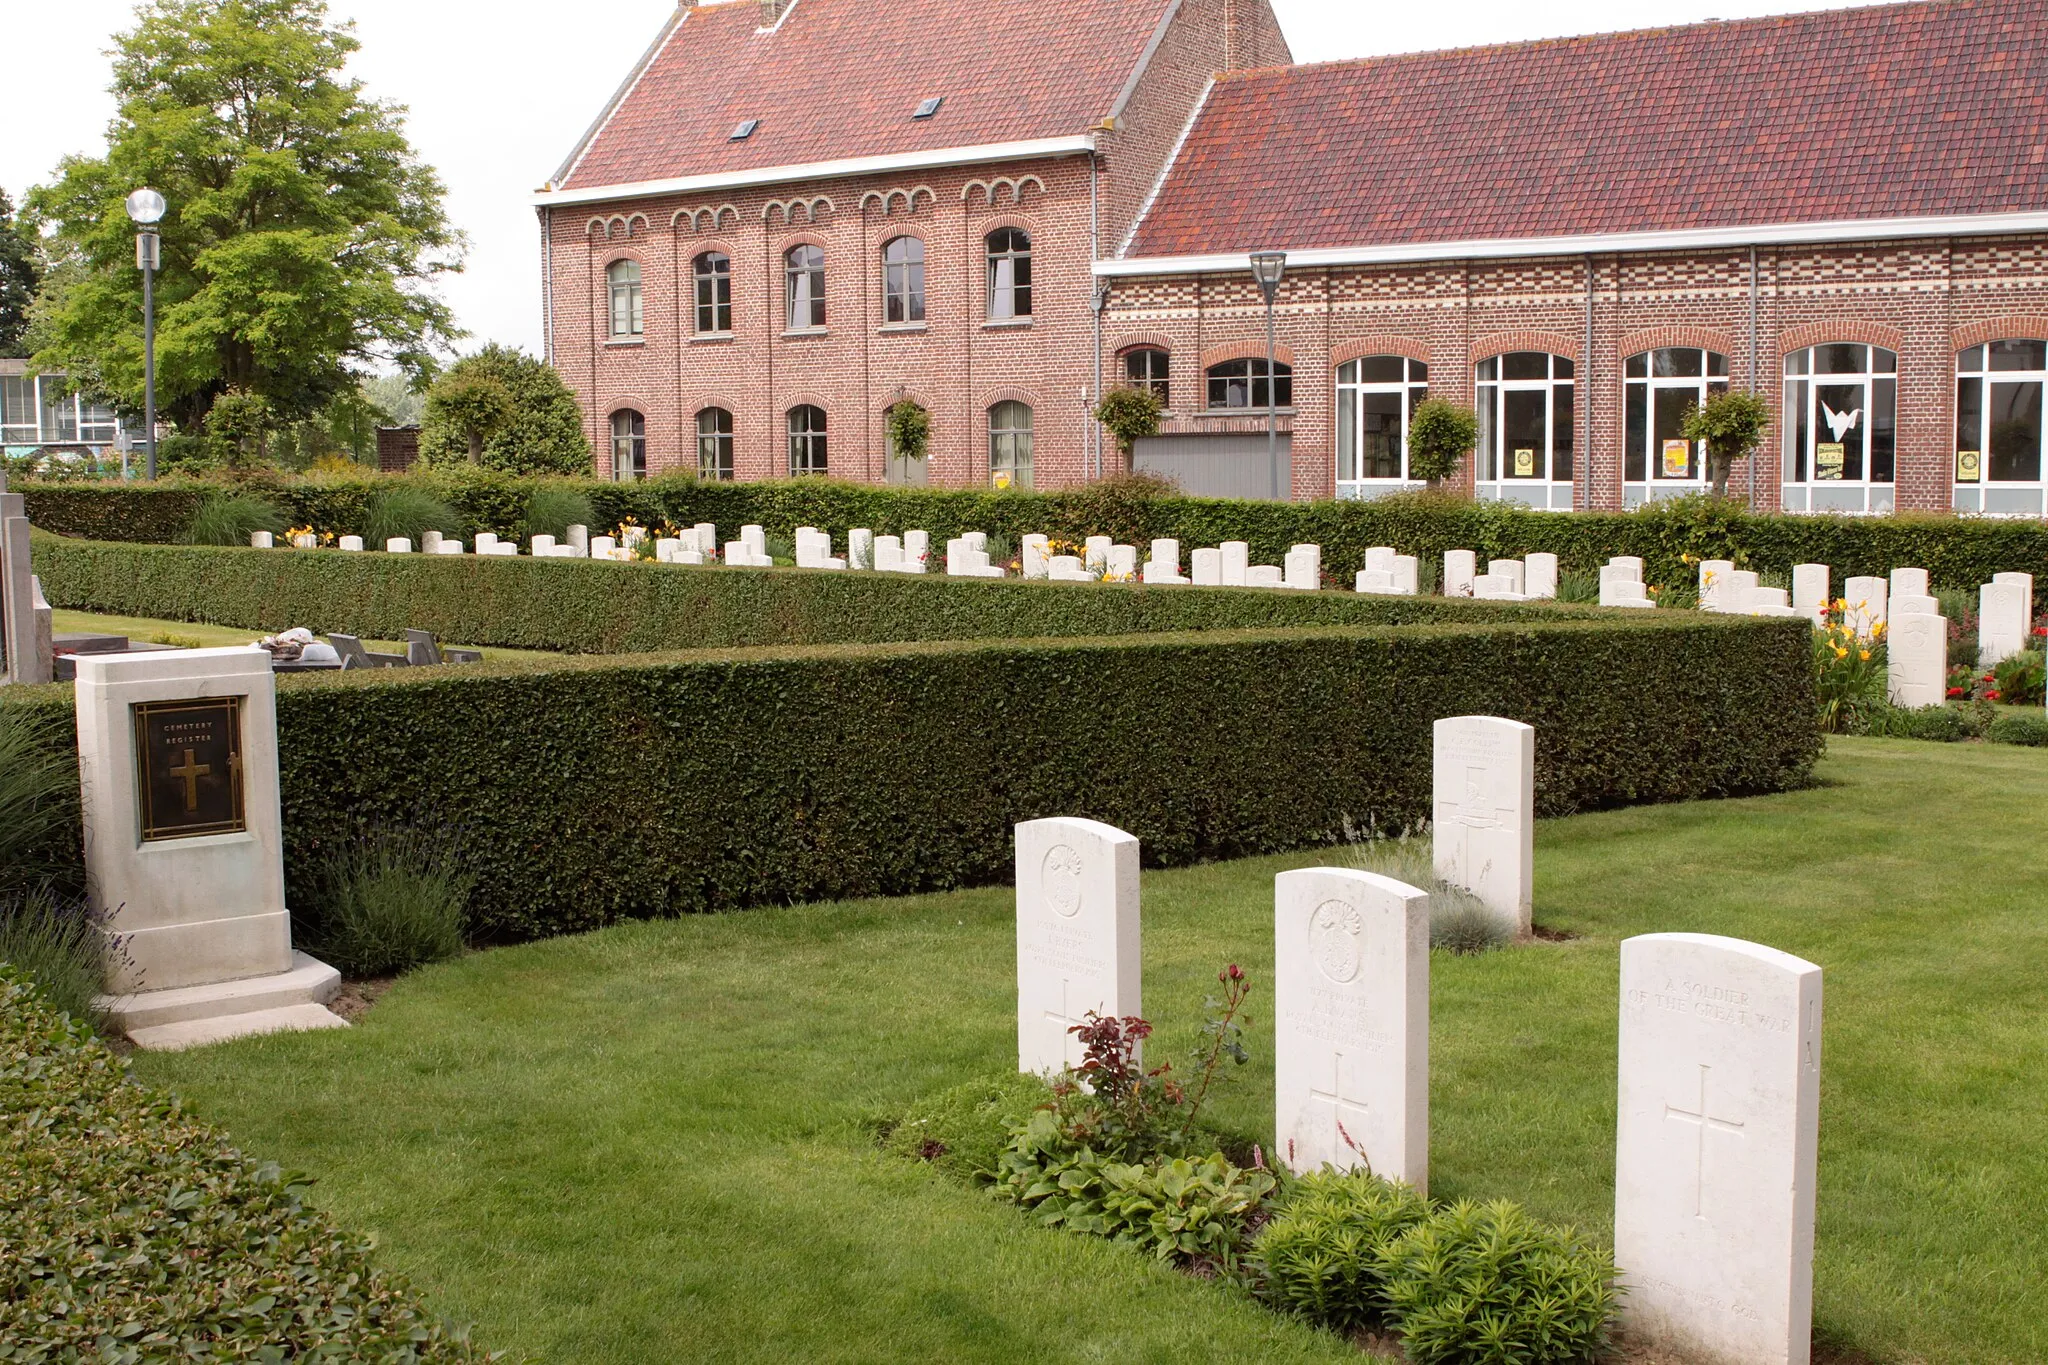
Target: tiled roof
(840, 78)
(1892, 111)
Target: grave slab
(1484, 826)
(1077, 934)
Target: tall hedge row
(601, 607)
(1958, 552)
(602, 789)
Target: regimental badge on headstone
(1969, 466)
(1525, 464)
(1828, 460)
(188, 758)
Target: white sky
(499, 95)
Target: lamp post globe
(146, 207)
(146, 210)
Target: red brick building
(1847, 212)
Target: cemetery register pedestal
(184, 848)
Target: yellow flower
(1841, 653)
(1864, 655)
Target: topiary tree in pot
(1440, 435)
(1732, 425)
(1130, 415)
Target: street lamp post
(1269, 268)
(146, 208)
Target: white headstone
(2002, 618)
(1632, 563)
(1713, 581)
(1206, 568)
(1095, 552)
(1768, 599)
(1068, 569)
(1623, 592)
(1380, 558)
(351, 543)
(1810, 591)
(1460, 568)
(1909, 604)
(1916, 659)
(917, 551)
(1123, 561)
(23, 657)
(754, 538)
(448, 547)
(1540, 574)
(976, 540)
(1513, 570)
(601, 547)
(860, 548)
(1739, 591)
(485, 540)
(430, 541)
(1717, 1149)
(1866, 598)
(579, 537)
(1032, 556)
(1351, 1023)
(1237, 559)
(185, 845)
(1303, 567)
(1264, 576)
(888, 554)
(398, 545)
(1484, 813)
(1907, 583)
(1377, 581)
(1407, 575)
(707, 536)
(542, 545)
(1490, 587)
(1077, 934)
(261, 540)
(1167, 553)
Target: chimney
(771, 12)
(1229, 35)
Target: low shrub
(1486, 1284)
(552, 509)
(2019, 729)
(1849, 676)
(2018, 679)
(965, 1129)
(1459, 922)
(399, 510)
(39, 815)
(134, 1233)
(59, 943)
(386, 903)
(1194, 1210)
(1942, 724)
(231, 518)
(1321, 1257)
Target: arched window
(713, 270)
(1009, 445)
(903, 280)
(1242, 384)
(804, 287)
(806, 440)
(1009, 274)
(623, 279)
(1999, 427)
(1840, 425)
(629, 446)
(1145, 368)
(714, 444)
(1662, 386)
(1525, 429)
(1375, 394)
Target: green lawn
(647, 1143)
(193, 634)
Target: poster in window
(1827, 460)
(1525, 464)
(1003, 480)
(1678, 459)
(1969, 466)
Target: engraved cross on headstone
(1703, 1122)
(1475, 812)
(1334, 1097)
(1064, 1016)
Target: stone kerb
(1351, 1032)
(1483, 813)
(1077, 935)
(1717, 1147)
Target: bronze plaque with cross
(188, 762)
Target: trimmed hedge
(1956, 552)
(602, 607)
(603, 789)
(132, 1232)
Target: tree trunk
(476, 447)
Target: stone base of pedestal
(188, 1016)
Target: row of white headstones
(1719, 1060)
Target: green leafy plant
(1849, 675)
(1130, 415)
(2019, 679)
(910, 429)
(1321, 1256)
(965, 1129)
(38, 800)
(2019, 728)
(1942, 724)
(230, 519)
(1440, 435)
(401, 510)
(1486, 1284)
(542, 430)
(1222, 1039)
(1575, 585)
(475, 405)
(62, 945)
(1459, 922)
(1732, 424)
(551, 511)
(239, 425)
(388, 903)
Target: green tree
(1732, 425)
(476, 405)
(1440, 435)
(19, 275)
(240, 425)
(302, 232)
(544, 434)
(1130, 414)
(910, 429)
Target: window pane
(1380, 436)
(1972, 359)
(1970, 417)
(1884, 402)
(1637, 366)
(1525, 365)
(1796, 362)
(1560, 367)
(1489, 445)
(18, 406)
(1381, 369)
(2015, 421)
(714, 444)
(1717, 364)
(1671, 455)
(1883, 361)
(1347, 431)
(1839, 359)
(1418, 373)
(60, 413)
(1841, 426)
(1489, 368)
(1525, 431)
(1636, 428)
(1795, 431)
(1675, 363)
(2018, 355)
(1561, 432)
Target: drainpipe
(547, 283)
(1586, 394)
(1091, 445)
(1754, 455)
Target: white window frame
(629, 447)
(1800, 422)
(1011, 447)
(1412, 387)
(1699, 387)
(625, 300)
(1547, 491)
(1988, 496)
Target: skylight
(929, 107)
(744, 131)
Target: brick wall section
(1925, 299)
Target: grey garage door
(1220, 466)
